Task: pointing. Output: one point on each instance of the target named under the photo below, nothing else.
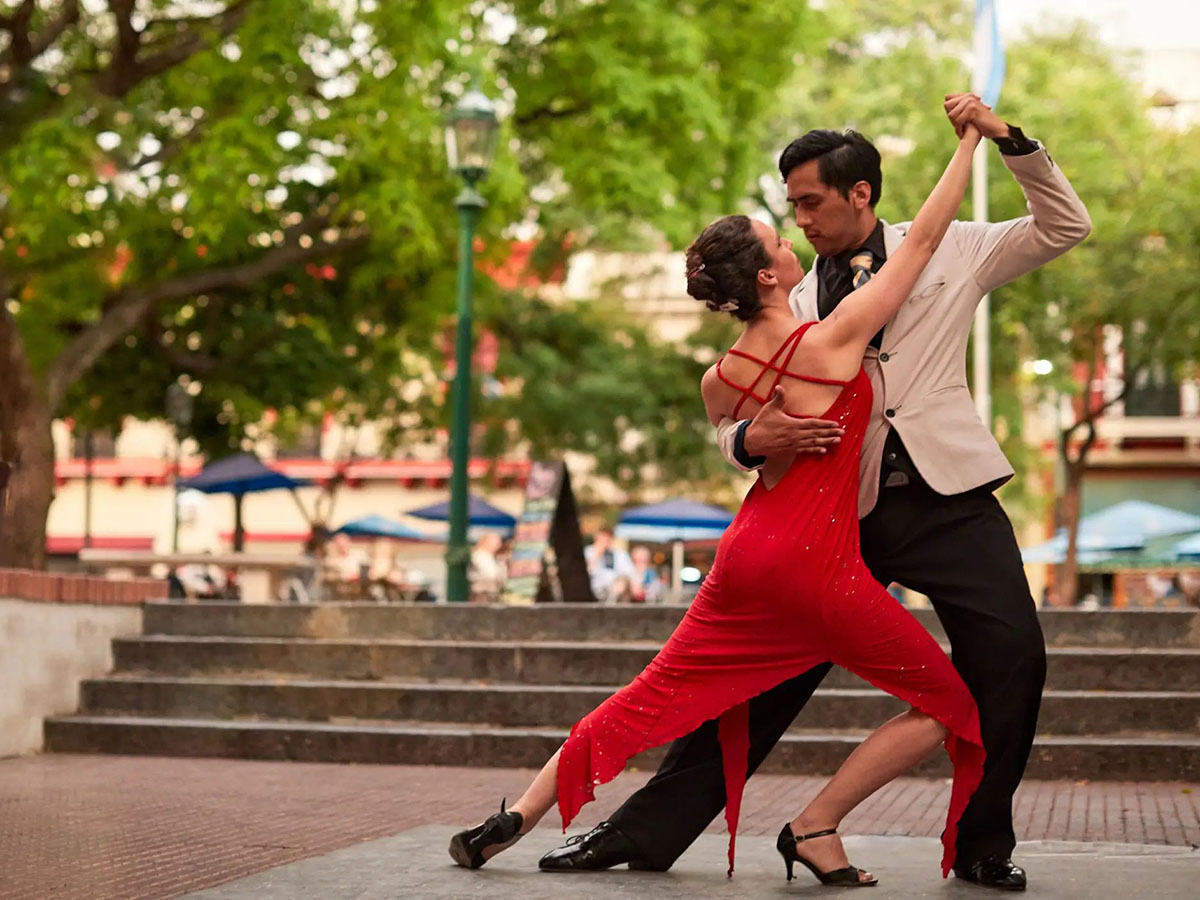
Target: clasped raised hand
(969, 109)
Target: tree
(586, 377)
(249, 193)
(1135, 277)
(167, 171)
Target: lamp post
(88, 459)
(179, 411)
(470, 140)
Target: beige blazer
(919, 376)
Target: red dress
(788, 590)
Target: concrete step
(568, 663)
(1140, 758)
(584, 622)
(1063, 712)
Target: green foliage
(881, 68)
(264, 198)
(644, 111)
(585, 377)
(1137, 271)
(266, 209)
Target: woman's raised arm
(858, 317)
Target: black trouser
(961, 552)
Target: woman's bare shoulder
(824, 354)
(713, 390)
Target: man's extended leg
(962, 553)
(664, 817)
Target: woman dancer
(789, 588)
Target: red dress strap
(769, 366)
(789, 344)
(787, 360)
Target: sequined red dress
(788, 590)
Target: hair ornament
(696, 271)
(727, 306)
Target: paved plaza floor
(119, 828)
(415, 864)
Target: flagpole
(982, 331)
(987, 79)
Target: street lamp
(470, 141)
(179, 411)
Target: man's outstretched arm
(998, 252)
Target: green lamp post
(470, 141)
(179, 411)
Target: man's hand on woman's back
(774, 432)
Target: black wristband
(739, 448)
(1016, 144)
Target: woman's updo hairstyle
(723, 265)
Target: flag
(989, 53)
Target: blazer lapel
(803, 300)
(893, 237)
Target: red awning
(61, 545)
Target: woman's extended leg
(879, 640)
(475, 846)
(539, 798)
(889, 752)
(694, 678)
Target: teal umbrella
(381, 526)
(1116, 533)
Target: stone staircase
(501, 686)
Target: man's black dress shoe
(603, 847)
(993, 871)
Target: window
(306, 444)
(1153, 394)
(104, 443)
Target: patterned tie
(860, 268)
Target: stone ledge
(49, 648)
(52, 587)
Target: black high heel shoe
(849, 876)
(502, 830)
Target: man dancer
(928, 519)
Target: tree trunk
(239, 529)
(28, 447)
(1067, 581)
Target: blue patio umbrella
(381, 526)
(480, 514)
(1188, 548)
(1123, 527)
(674, 522)
(1137, 517)
(1089, 549)
(677, 519)
(239, 475)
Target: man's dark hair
(843, 160)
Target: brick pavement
(103, 828)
